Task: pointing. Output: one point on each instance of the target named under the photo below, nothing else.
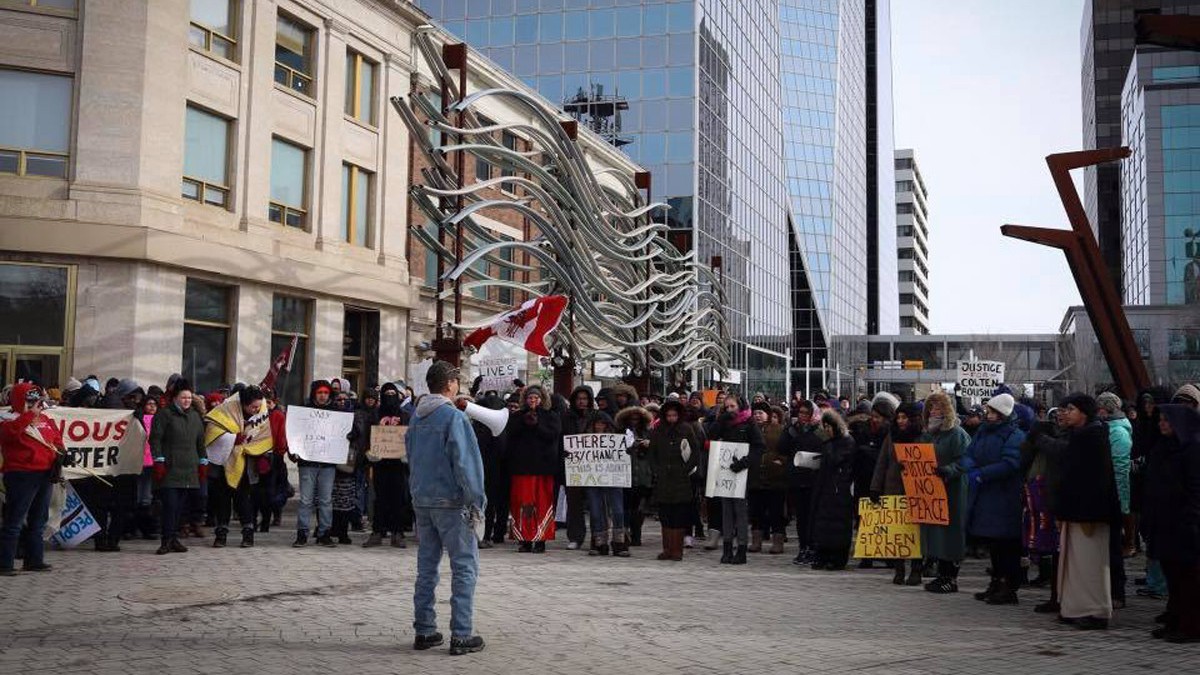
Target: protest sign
(978, 379)
(416, 377)
(927, 501)
(598, 460)
(721, 481)
(885, 531)
(387, 442)
(75, 522)
(102, 442)
(319, 435)
(498, 374)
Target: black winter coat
(1171, 509)
(1087, 486)
(534, 449)
(833, 504)
(673, 475)
(801, 439)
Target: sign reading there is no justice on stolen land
(885, 531)
(598, 460)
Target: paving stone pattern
(273, 609)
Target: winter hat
(1187, 391)
(672, 404)
(126, 387)
(73, 385)
(1086, 404)
(885, 404)
(761, 405)
(93, 382)
(1002, 404)
(1110, 402)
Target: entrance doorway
(360, 348)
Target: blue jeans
(316, 484)
(447, 529)
(602, 501)
(27, 495)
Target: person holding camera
(32, 448)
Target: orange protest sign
(927, 501)
(709, 396)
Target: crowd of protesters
(1067, 493)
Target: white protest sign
(721, 481)
(598, 460)
(978, 379)
(75, 522)
(498, 374)
(106, 442)
(416, 377)
(319, 435)
(220, 449)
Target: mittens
(160, 472)
(202, 473)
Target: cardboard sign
(721, 481)
(75, 522)
(319, 435)
(885, 531)
(498, 374)
(598, 460)
(927, 501)
(387, 442)
(107, 442)
(978, 379)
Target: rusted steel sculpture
(1100, 296)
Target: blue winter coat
(993, 463)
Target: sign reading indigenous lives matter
(387, 442)
(885, 530)
(598, 460)
(319, 435)
(721, 480)
(102, 442)
(927, 501)
(498, 374)
(978, 379)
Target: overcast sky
(983, 91)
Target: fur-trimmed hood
(624, 389)
(633, 417)
(949, 420)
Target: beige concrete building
(184, 186)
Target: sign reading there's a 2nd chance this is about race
(598, 460)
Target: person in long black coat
(833, 501)
(1171, 518)
(533, 437)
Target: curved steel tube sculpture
(635, 298)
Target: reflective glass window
(550, 28)
(601, 23)
(527, 29)
(575, 26)
(654, 19)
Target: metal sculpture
(635, 298)
(1099, 293)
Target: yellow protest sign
(886, 531)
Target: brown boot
(755, 541)
(677, 536)
(668, 543)
(776, 544)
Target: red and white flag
(281, 363)
(527, 326)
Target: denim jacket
(445, 467)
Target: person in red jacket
(30, 444)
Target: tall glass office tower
(751, 116)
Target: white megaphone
(494, 420)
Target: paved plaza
(274, 609)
